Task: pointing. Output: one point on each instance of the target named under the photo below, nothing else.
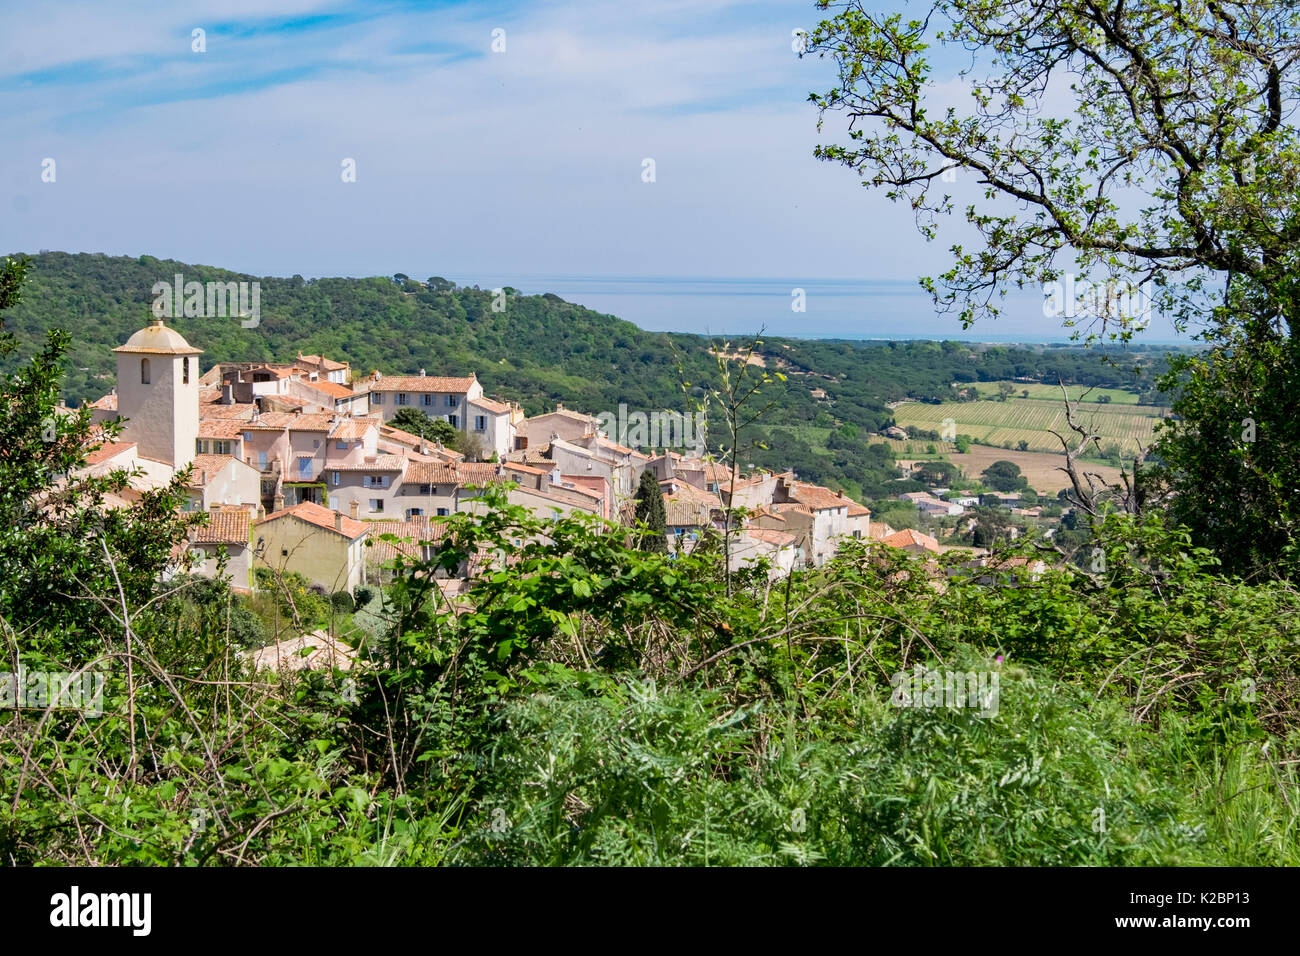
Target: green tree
(1003, 476)
(650, 512)
(61, 547)
(434, 429)
(1170, 166)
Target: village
(300, 469)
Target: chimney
(227, 394)
(277, 503)
(421, 373)
(338, 521)
(559, 406)
(352, 509)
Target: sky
(488, 139)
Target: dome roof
(156, 338)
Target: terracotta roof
(374, 463)
(332, 389)
(235, 411)
(321, 517)
(690, 507)
(272, 421)
(856, 510)
(106, 403)
(879, 531)
(221, 427)
(781, 507)
(328, 364)
(412, 533)
(421, 383)
(207, 467)
(782, 539)
(397, 434)
(910, 537)
(279, 371)
(225, 526)
(499, 408)
(527, 469)
(816, 497)
(108, 450)
(454, 473)
(311, 422)
(567, 413)
(353, 429)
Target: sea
(795, 307)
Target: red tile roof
(225, 526)
(207, 467)
(455, 473)
(332, 389)
(321, 517)
(328, 364)
(421, 383)
(909, 537)
(221, 427)
(108, 450)
(499, 408)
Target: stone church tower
(158, 394)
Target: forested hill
(540, 350)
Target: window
(424, 489)
(315, 443)
(377, 398)
(185, 370)
(336, 477)
(248, 436)
(414, 513)
(284, 552)
(453, 401)
(454, 420)
(480, 423)
(261, 460)
(376, 504)
(144, 371)
(374, 481)
(403, 398)
(428, 399)
(442, 512)
(341, 445)
(304, 466)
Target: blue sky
(470, 163)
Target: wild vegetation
(596, 702)
(593, 702)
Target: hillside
(541, 350)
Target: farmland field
(1052, 393)
(1033, 420)
(1039, 468)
